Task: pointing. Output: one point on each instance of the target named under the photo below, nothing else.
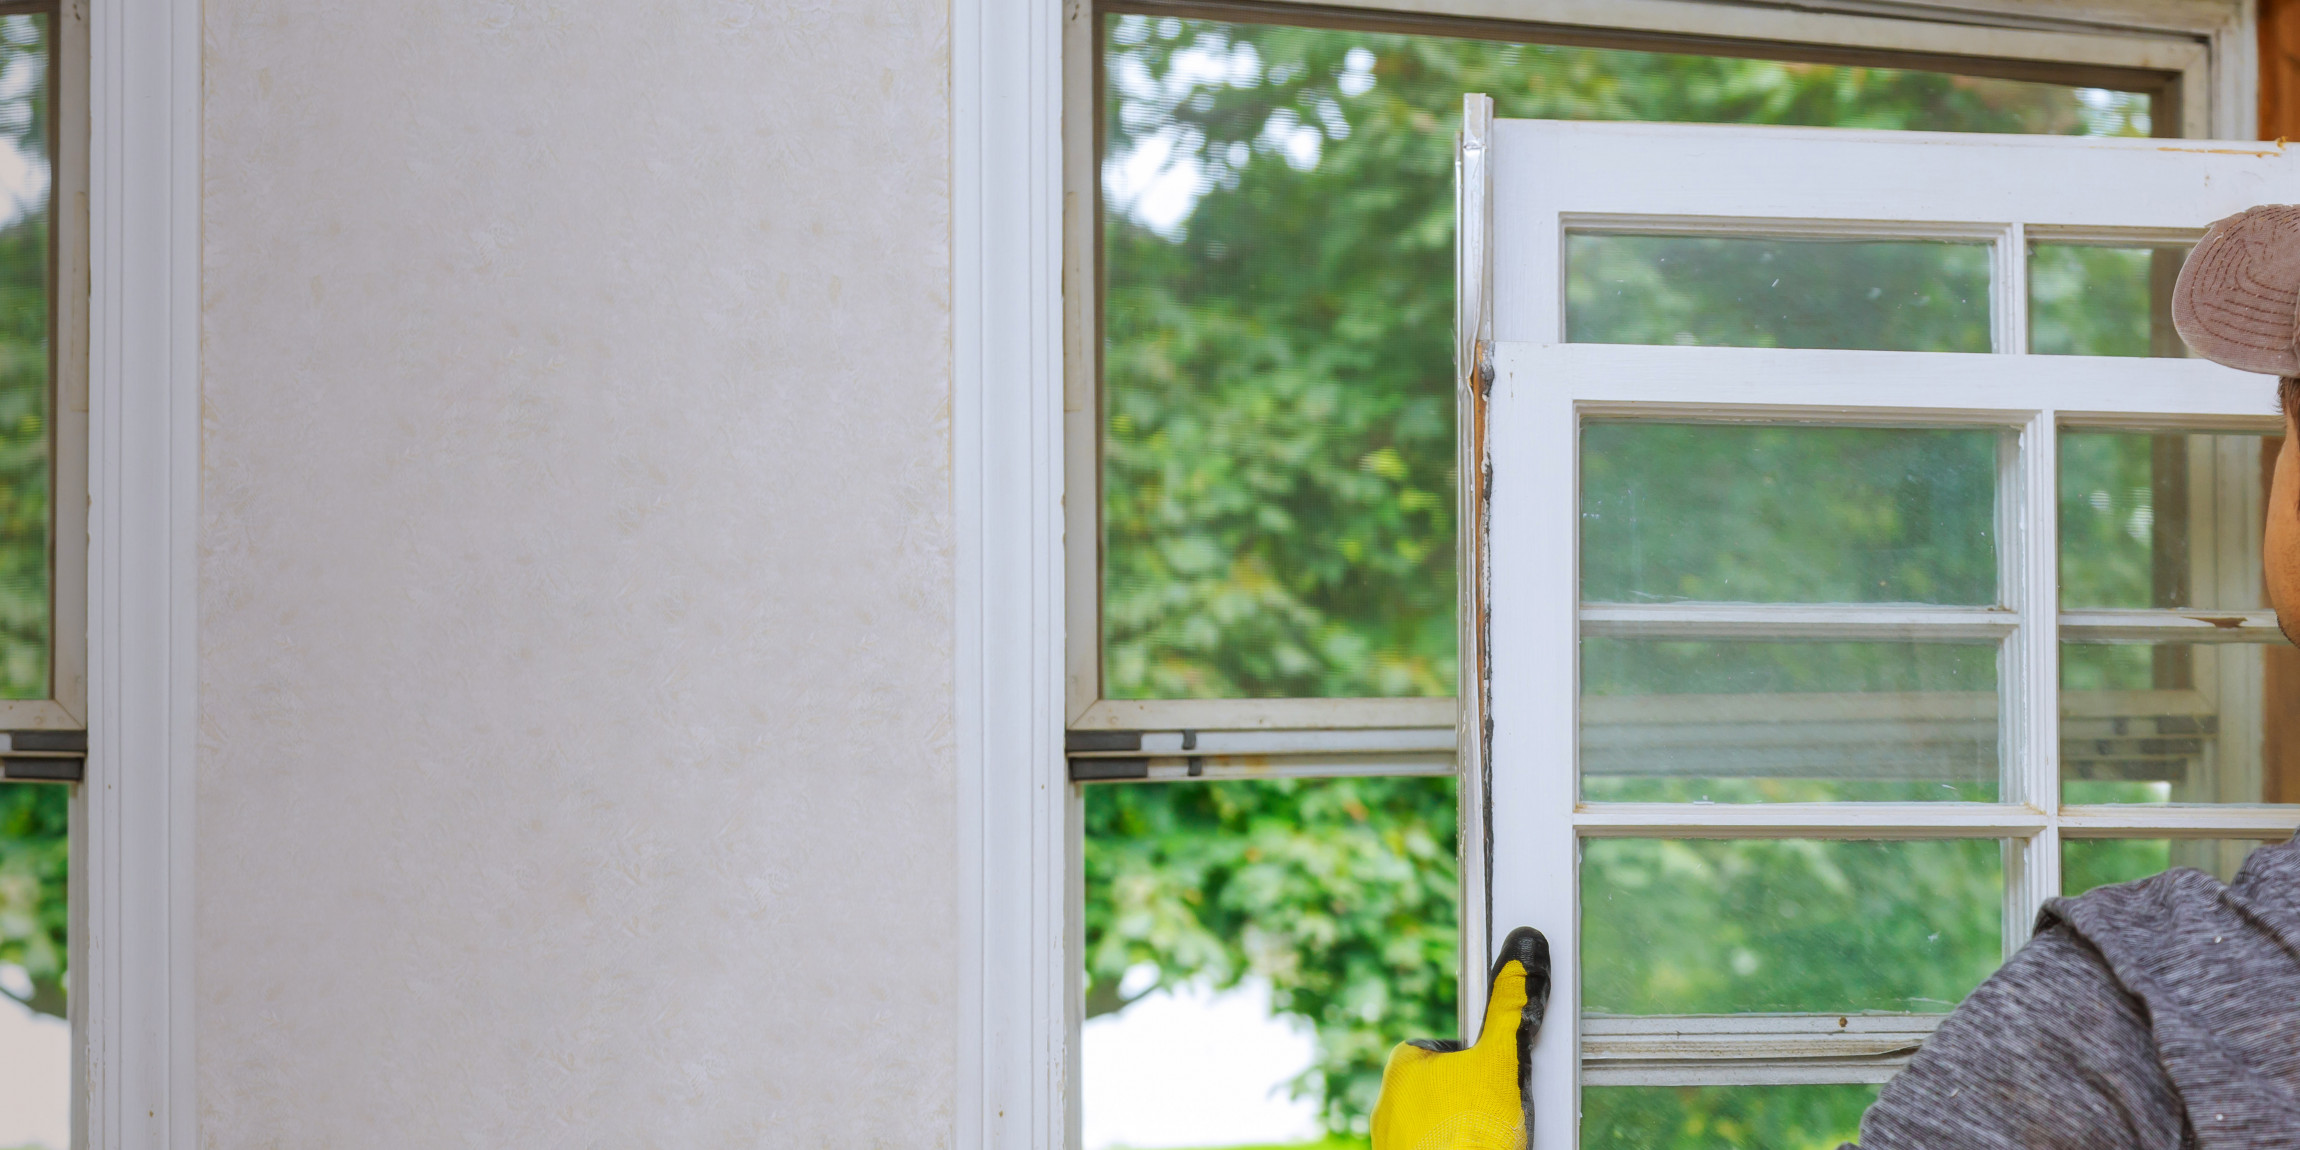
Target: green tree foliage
(1277, 512)
(1340, 892)
(24, 499)
(2127, 540)
(1728, 514)
(2091, 300)
(24, 370)
(2087, 863)
(1898, 295)
(32, 817)
(33, 847)
(1277, 370)
(1757, 1117)
(1730, 926)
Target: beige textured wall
(575, 574)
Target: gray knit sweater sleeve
(2160, 1014)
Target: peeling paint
(2273, 150)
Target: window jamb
(132, 828)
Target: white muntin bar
(2168, 820)
(1931, 820)
(2170, 626)
(1748, 1049)
(2008, 306)
(2028, 566)
(1808, 820)
(1919, 622)
(1891, 388)
(1795, 621)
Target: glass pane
(2162, 520)
(1277, 397)
(1249, 936)
(2179, 723)
(2087, 863)
(1787, 514)
(1732, 291)
(24, 359)
(1724, 926)
(35, 1040)
(1716, 721)
(1704, 1117)
(2092, 300)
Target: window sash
(2175, 63)
(1552, 178)
(1542, 704)
(66, 707)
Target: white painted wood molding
(132, 832)
(1018, 880)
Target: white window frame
(1024, 208)
(1549, 180)
(138, 87)
(66, 707)
(1404, 736)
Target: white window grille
(1553, 192)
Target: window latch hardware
(1096, 770)
(45, 757)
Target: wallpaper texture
(576, 763)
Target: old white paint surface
(575, 570)
(1748, 1050)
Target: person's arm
(2049, 1053)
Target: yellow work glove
(1440, 1096)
